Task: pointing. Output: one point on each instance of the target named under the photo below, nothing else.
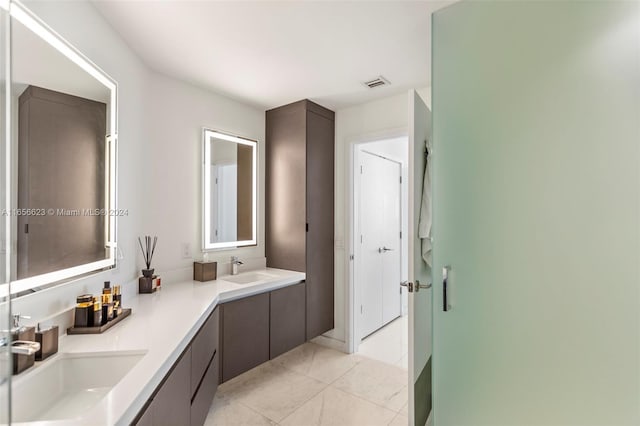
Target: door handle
(411, 287)
(384, 250)
(445, 278)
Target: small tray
(98, 330)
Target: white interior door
(536, 136)
(420, 302)
(379, 255)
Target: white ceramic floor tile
(225, 412)
(404, 411)
(271, 390)
(318, 362)
(389, 344)
(377, 382)
(399, 420)
(333, 407)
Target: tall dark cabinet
(299, 203)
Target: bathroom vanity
(163, 365)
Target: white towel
(424, 224)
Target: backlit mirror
(62, 155)
(229, 191)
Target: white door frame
(352, 341)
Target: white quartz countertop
(161, 326)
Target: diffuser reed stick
(148, 249)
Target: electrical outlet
(186, 251)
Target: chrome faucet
(22, 344)
(234, 265)
(17, 318)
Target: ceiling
(269, 53)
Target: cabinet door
(172, 404)
(203, 347)
(285, 187)
(245, 334)
(287, 319)
(319, 243)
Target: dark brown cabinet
(203, 348)
(203, 398)
(238, 336)
(245, 334)
(300, 203)
(171, 405)
(205, 368)
(185, 395)
(287, 319)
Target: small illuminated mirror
(229, 191)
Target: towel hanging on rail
(425, 221)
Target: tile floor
(390, 344)
(314, 385)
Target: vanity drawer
(203, 346)
(204, 396)
(171, 404)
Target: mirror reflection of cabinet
(229, 186)
(299, 203)
(61, 154)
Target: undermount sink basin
(67, 386)
(249, 277)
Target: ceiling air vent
(377, 82)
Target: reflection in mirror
(63, 159)
(229, 186)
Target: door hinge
(360, 309)
(351, 257)
(400, 179)
(26, 228)
(360, 169)
(360, 238)
(307, 227)
(400, 234)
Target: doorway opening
(380, 249)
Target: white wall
(173, 210)
(376, 119)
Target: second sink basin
(67, 386)
(249, 277)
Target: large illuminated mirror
(229, 191)
(61, 153)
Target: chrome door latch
(445, 288)
(414, 288)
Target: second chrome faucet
(234, 265)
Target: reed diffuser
(148, 249)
